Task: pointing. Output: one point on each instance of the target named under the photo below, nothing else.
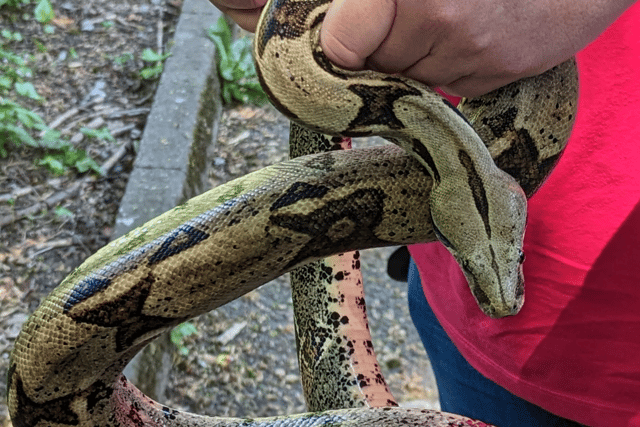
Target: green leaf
(152, 72)
(226, 71)
(103, 133)
(239, 93)
(28, 118)
(222, 32)
(149, 55)
(6, 82)
(61, 211)
(123, 59)
(226, 94)
(39, 45)
(17, 134)
(26, 89)
(51, 140)
(44, 12)
(87, 163)
(179, 333)
(53, 163)
(235, 66)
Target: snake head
(487, 246)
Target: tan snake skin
(66, 366)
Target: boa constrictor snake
(66, 366)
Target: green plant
(44, 12)
(13, 3)
(58, 155)
(61, 212)
(235, 66)
(13, 71)
(179, 333)
(14, 37)
(123, 59)
(17, 123)
(39, 45)
(103, 134)
(155, 70)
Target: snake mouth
(494, 311)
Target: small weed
(14, 4)
(103, 134)
(44, 12)
(235, 65)
(123, 59)
(154, 71)
(179, 333)
(16, 37)
(39, 45)
(17, 123)
(62, 212)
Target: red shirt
(574, 349)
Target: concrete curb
(170, 166)
(184, 117)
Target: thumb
(353, 29)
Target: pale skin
(467, 48)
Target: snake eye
(441, 237)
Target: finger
(411, 38)
(439, 70)
(247, 19)
(245, 13)
(353, 29)
(471, 87)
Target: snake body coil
(477, 210)
(66, 366)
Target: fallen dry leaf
(63, 22)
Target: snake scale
(65, 369)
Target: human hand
(465, 47)
(245, 13)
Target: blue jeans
(462, 389)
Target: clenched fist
(465, 47)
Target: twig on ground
(111, 161)
(159, 33)
(128, 113)
(19, 192)
(52, 244)
(70, 126)
(63, 117)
